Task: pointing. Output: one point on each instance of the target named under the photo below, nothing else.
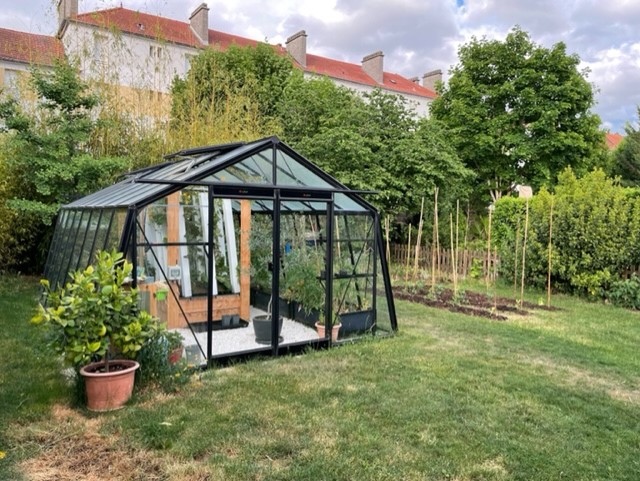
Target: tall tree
(45, 154)
(519, 112)
(627, 157)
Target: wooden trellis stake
(524, 252)
(550, 244)
(406, 271)
(419, 236)
(488, 271)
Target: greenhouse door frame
(277, 195)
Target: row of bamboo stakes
(491, 257)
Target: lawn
(553, 395)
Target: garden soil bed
(469, 302)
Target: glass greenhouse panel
(354, 274)
(68, 244)
(104, 225)
(290, 172)
(383, 313)
(114, 235)
(84, 258)
(303, 250)
(257, 169)
(54, 260)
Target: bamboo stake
(515, 262)
(524, 252)
(337, 224)
(488, 271)
(453, 266)
(433, 243)
(387, 228)
(550, 244)
(437, 231)
(419, 236)
(406, 271)
(465, 254)
(457, 232)
(495, 276)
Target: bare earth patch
(71, 448)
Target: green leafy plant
(95, 316)
(626, 293)
(301, 283)
(156, 368)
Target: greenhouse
(227, 239)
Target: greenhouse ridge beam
(188, 183)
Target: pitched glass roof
(239, 163)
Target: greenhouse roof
(266, 163)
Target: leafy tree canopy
(45, 150)
(627, 157)
(519, 112)
(216, 76)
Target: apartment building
(140, 54)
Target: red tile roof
(354, 73)
(613, 140)
(29, 47)
(170, 30)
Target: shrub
(626, 293)
(595, 234)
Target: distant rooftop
(29, 47)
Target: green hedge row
(595, 241)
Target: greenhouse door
(304, 265)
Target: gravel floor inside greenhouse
(235, 341)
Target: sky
(416, 36)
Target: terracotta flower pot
(175, 355)
(334, 331)
(107, 391)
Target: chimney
(66, 9)
(297, 47)
(372, 65)
(199, 21)
(415, 80)
(430, 79)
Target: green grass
(30, 379)
(551, 396)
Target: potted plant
(322, 330)
(301, 285)
(262, 326)
(97, 326)
(175, 346)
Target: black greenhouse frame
(306, 242)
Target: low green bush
(626, 293)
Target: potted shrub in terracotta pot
(322, 330)
(97, 326)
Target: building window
(12, 82)
(188, 58)
(155, 52)
(99, 42)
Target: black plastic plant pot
(262, 328)
(360, 321)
